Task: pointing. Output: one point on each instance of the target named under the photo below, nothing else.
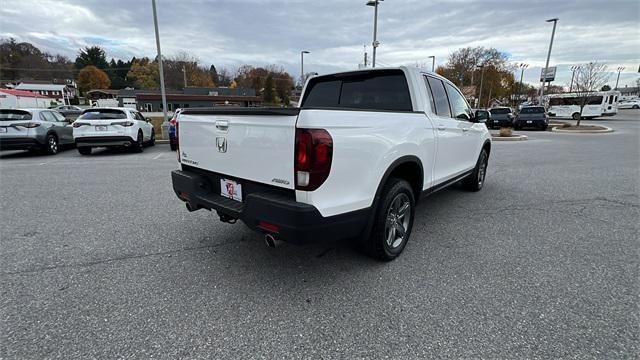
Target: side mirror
(481, 116)
(147, 119)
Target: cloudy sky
(233, 32)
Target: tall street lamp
(302, 79)
(433, 63)
(375, 43)
(481, 82)
(165, 123)
(523, 66)
(546, 67)
(573, 75)
(618, 79)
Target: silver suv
(34, 129)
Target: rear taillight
(123, 123)
(176, 140)
(314, 152)
(30, 125)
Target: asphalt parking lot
(98, 258)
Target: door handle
(465, 129)
(441, 127)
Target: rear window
(500, 111)
(374, 90)
(108, 114)
(532, 110)
(8, 115)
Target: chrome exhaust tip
(271, 241)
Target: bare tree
(589, 79)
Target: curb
(607, 130)
(510, 138)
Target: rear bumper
(296, 222)
(530, 123)
(19, 143)
(104, 141)
(500, 122)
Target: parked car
(112, 127)
(173, 140)
(351, 162)
(629, 104)
(532, 117)
(500, 117)
(69, 110)
(34, 129)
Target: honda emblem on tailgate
(222, 144)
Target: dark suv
(532, 117)
(500, 117)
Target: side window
(47, 116)
(439, 97)
(430, 95)
(58, 116)
(459, 107)
(139, 116)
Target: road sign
(549, 76)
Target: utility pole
(546, 67)
(375, 43)
(184, 75)
(481, 82)
(618, 79)
(365, 56)
(165, 123)
(573, 74)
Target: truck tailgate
(246, 144)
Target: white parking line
(158, 156)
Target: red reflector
(184, 195)
(268, 226)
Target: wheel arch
(409, 168)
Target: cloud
(234, 32)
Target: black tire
(84, 150)
(544, 128)
(52, 146)
(152, 141)
(138, 146)
(173, 147)
(475, 181)
(575, 116)
(390, 218)
(636, 107)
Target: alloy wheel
(398, 220)
(53, 145)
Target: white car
(629, 104)
(350, 162)
(112, 127)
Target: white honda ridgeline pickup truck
(350, 162)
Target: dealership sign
(550, 74)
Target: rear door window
(47, 116)
(385, 90)
(439, 97)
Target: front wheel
(636, 107)
(393, 221)
(475, 181)
(576, 116)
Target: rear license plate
(231, 189)
(3, 129)
(101, 128)
(529, 121)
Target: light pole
(523, 66)
(546, 67)
(481, 82)
(573, 75)
(184, 75)
(433, 63)
(618, 79)
(302, 80)
(163, 93)
(375, 43)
